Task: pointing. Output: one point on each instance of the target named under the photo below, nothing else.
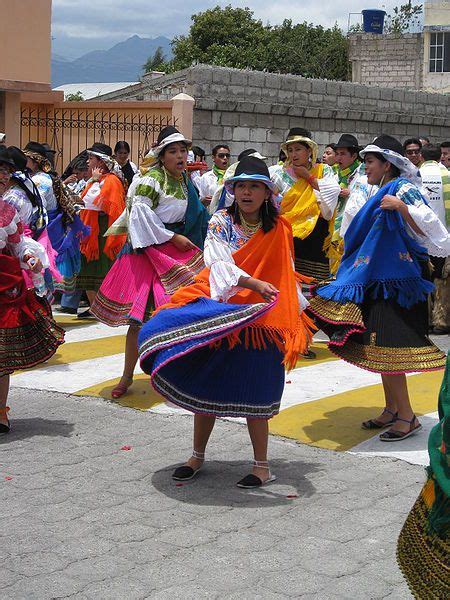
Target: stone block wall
(256, 109)
(387, 60)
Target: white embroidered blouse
(223, 238)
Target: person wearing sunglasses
(413, 151)
(211, 180)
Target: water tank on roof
(373, 20)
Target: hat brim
(229, 183)
(403, 164)
(302, 140)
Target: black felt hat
(19, 158)
(347, 141)
(6, 158)
(389, 143)
(250, 168)
(100, 148)
(298, 131)
(36, 148)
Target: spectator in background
(329, 155)
(412, 148)
(122, 156)
(436, 181)
(445, 154)
(211, 180)
(196, 165)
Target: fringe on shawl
(407, 292)
(289, 343)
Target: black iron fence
(72, 130)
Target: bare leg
(203, 426)
(398, 389)
(390, 399)
(91, 295)
(131, 355)
(258, 430)
(4, 389)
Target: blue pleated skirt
(192, 365)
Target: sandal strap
(262, 464)
(386, 410)
(199, 455)
(407, 421)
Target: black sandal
(185, 472)
(374, 424)
(393, 435)
(251, 481)
(5, 427)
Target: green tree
(77, 97)
(156, 62)
(232, 37)
(404, 18)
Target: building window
(440, 52)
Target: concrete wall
(394, 61)
(436, 18)
(25, 35)
(256, 109)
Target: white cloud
(82, 26)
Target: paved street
(323, 404)
(89, 511)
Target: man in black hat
(348, 170)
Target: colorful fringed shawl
(268, 257)
(111, 201)
(380, 258)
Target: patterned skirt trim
(32, 341)
(390, 361)
(423, 556)
(140, 282)
(194, 366)
(379, 335)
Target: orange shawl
(111, 200)
(268, 257)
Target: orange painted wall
(25, 34)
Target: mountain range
(122, 62)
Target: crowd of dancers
(223, 275)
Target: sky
(79, 26)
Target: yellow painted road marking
(140, 396)
(334, 422)
(77, 351)
(323, 355)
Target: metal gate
(69, 131)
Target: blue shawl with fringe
(381, 260)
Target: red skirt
(28, 333)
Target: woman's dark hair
(395, 171)
(333, 147)
(268, 214)
(122, 145)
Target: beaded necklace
(249, 228)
